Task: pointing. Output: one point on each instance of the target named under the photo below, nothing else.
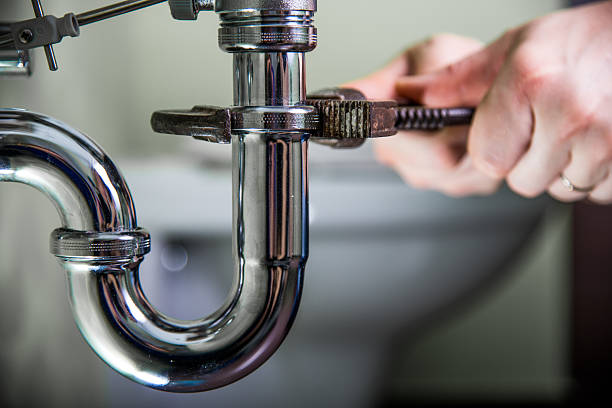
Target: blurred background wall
(513, 336)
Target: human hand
(427, 160)
(544, 97)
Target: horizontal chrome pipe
(110, 308)
(79, 178)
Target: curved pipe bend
(113, 314)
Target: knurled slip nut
(290, 118)
(299, 39)
(65, 243)
(223, 6)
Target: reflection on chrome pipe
(269, 79)
(269, 256)
(15, 63)
(80, 179)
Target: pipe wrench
(347, 119)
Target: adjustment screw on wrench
(26, 36)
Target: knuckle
(579, 118)
(535, 76)
(528, 71)
(600, 153)
(451, 70)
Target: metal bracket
(47, 30)
(42, 32)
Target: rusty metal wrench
(347, 119)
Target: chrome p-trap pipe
(101, 246)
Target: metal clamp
(43, 31)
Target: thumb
(463, 83)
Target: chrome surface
(83, 183)
(15, 63)
(101, 247)
(269, 79)
(269, 30)
(303, 118)
(278, 5)
(269, 250)
(67, 243)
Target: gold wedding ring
(572, 187)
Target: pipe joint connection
(267, 25)
(69, 244)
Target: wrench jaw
(208, 123)
(348, 123)
(347, 118)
